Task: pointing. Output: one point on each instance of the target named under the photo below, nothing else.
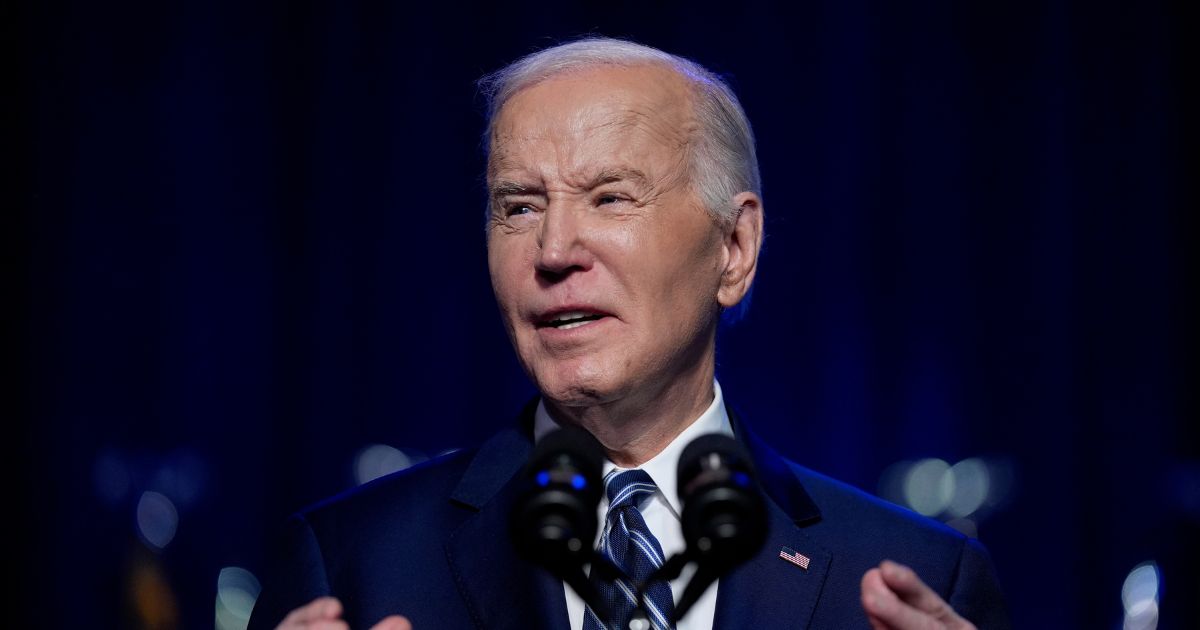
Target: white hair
(722, 160)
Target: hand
(896, 599)
(325, 613)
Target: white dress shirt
(662, 512)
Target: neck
(636, 427)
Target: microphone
(724, 518)
(553, 523)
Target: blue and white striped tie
(627, 541)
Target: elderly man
(625, 216)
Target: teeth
(571, 319)
(570, 315)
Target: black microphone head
(724, 517)
(553, 523)
(571, 446)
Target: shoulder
(873, 529)
(466, 478)
(854, 511)
(419, 496)
(844, 517)
(862, 531)
(361, 540)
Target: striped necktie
(627, 541)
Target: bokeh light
(1139, 595)
(153, 601)
(377, 460)
(929, 486)
(157, 520)
(971, 483)
(237, 590)
(962, 495)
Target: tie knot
(628, 488)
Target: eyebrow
(503, 188)
(610, 175)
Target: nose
(562, 243)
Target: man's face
(605, 265)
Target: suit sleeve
(976, 595)
(295, 577)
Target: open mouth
(569, 319)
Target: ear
(743, 240)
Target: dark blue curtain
(249, 243)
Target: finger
(394, 622)
(886, 611)
(876, 624)
(318, 609)
(326, 624)
(315, 624)
(873, 583)
(908, 587)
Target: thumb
(394, 622)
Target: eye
(517, 209)
(607, 199)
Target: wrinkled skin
(593, 211)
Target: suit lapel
(500, 589)
(769, 591)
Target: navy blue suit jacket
(431, 543)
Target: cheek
(505, 258)
(625, 238)
(690, 264)
(504, 285)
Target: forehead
(603, 114)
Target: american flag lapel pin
(795, 557)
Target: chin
(575, 385)
(573, 393)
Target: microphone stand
(605, 569)
(583, 586)
(671, 569)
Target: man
(625, 217)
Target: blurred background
(250, 273)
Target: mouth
(568, 319)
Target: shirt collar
(663, 467)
